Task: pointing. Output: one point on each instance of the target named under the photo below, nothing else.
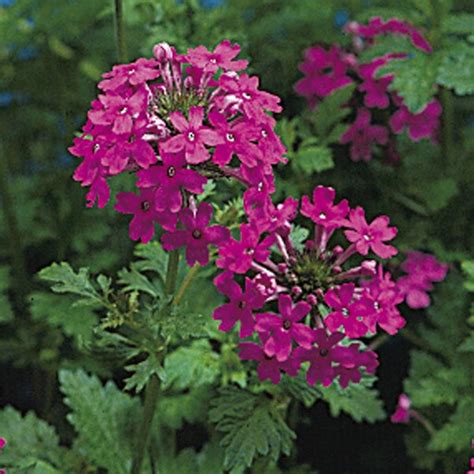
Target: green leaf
(457, 68)
(431, 383)
(133, 280)
(468, 268)
(357, 400)
(64, 280)
(182, 322)
(6, 311)
(29, 441)
(457, 432)
(59, 311)
(329, 111)
(298, 388)
(414, 79)
(174, 410)
(191, 366)
(446, 189)
(152, 258)
(142, 373)
(468, 344)
(459, 23)
(101, 416)
(251, 425)
(298, 236)
(313, 159)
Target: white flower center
(345, 312)
(322, 216)
(230, 137)
(191, 136)
(246, 96)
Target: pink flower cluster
(422, 270)
(304, 302)
(328, 70)
(176, 121)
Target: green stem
(151, 397)
(185, 285)
(378, 341)
(153, 386)
(119, 32)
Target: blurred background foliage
(52, 53)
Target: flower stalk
(153, 387)
(119, 32)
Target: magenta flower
(322, 210)
(142, 226)
(421, 125)
(133, 74)
(196, 235)
(384, 296)
(422, 269)
(243, 90)
(3, 443)
(241, 305)
(321, 357)
(193, 136)
(284, 328)
(352, 360)
(221, 57)
(236, 139)
(349, 312)
(325, 71)
(269, 368)
(376, 90)
(119, 111)
(370, 236)
(402, 413)
(362, 136)
(171, 177)
(377, 27)
(238, 256)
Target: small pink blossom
(348, 312)
(362, 136)
(423, 269)
(285, 328)
(197, 235)
(221, 57)
(238, 256)
(370, 236)
(133, 74)
(142, 206)
(423, 124)
(402, 413)
(193, 136)
(376, 90)
(240, 306)
(269, 368)
(235, 139)
(325, 71)
(322, 210)
(170, 177)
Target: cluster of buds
(380, 113)
(304, 302)
(176, 121)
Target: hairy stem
(119, 32)
(185, 285)
(153, 386)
